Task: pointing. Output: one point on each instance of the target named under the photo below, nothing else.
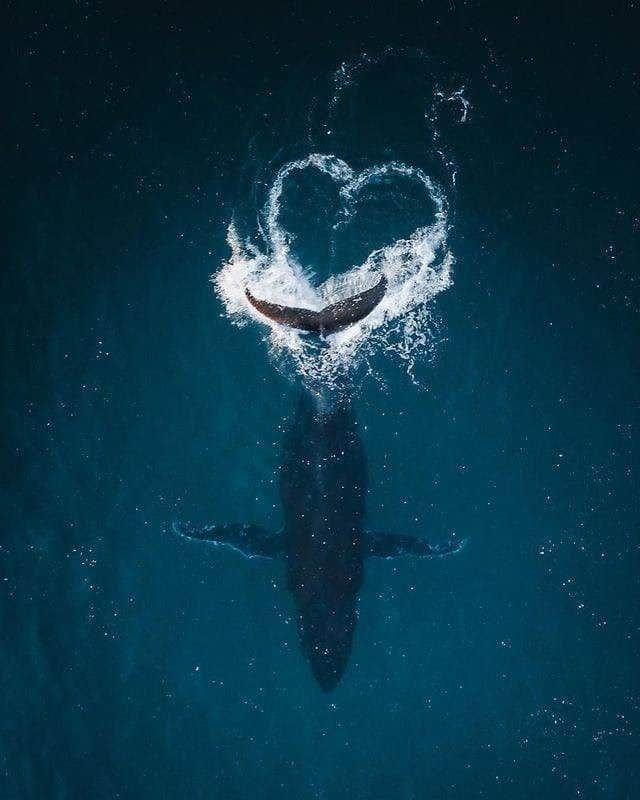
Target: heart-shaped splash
(334, 219)
(416, 268)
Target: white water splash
(456, 99)
(417, 268)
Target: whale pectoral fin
(389, 545)
(251, 541)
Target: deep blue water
(138, 665)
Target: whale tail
(331, 318)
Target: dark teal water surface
(137, 665)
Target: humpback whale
(331, 318)
(323, 541)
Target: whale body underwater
(323, 482)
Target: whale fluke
(331, 318)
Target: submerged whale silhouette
(331, 318)
(323, 541)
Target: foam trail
(417, 268)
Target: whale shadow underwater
(324, 540)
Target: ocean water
(159, 162)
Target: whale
(330, 319)
(324, 540)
